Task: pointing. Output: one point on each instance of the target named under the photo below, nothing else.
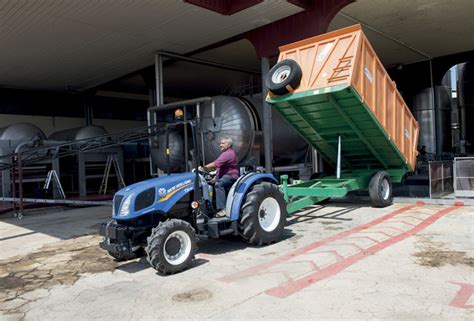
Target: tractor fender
(239, 190)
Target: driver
(227, 173)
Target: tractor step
(217, 220)
(220, 226)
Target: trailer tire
(380, 190)
(284, 77)
(171, 246)
(263, 215)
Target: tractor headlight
(125, 209)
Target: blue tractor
(166, 216)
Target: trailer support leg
(338, 171)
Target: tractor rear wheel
(380, 190)
(171, 246)
(263, 215)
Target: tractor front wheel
(171, 246)
(263, 215)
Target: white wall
(50, 125)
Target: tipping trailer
(335, 92)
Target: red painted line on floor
(257, 268)
(394, 228)
(404, 222)
(458, 203)
(338, 256)
(377, 232)
(413, 217)
(462, 296)
(365, 237)
(290, 288)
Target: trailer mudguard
(240, 188)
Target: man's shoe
(221, 213)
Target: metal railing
(440, 178)
(464, 176)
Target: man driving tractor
(227, 173)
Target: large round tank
(21, 132)
(78, 133)
(176, 146)
(241, 120)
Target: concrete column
(267, 119)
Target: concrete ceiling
(59, 44)
(407, 31)
(54, 44)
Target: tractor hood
(153, 195)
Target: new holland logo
(162, 192)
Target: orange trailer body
(345, 58)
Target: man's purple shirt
(227, 164)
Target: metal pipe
(159, 78)
(186, 158)
(207, 63)
(20, 185)
(267, 118)
(181, 103)
(14, 185)
(338, 170)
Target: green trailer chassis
(324, 118)
(301, 194)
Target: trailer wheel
(171, 246)
(284, 77)
(380, 190)
(263, 215)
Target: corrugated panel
(53, 44)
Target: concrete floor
(342, 261)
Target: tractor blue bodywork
(159, 195)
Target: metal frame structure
(52, 151)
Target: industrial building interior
(83, 74)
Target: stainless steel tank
(241, 120)
(78, 133)
(435, 123)
(424, 113)
(465, 92)
(21, 132)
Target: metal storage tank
(424, 112)
(434, 134)
(241, 120)
(466, 102)
(176, 158)
(78, 133)
(21, 132)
